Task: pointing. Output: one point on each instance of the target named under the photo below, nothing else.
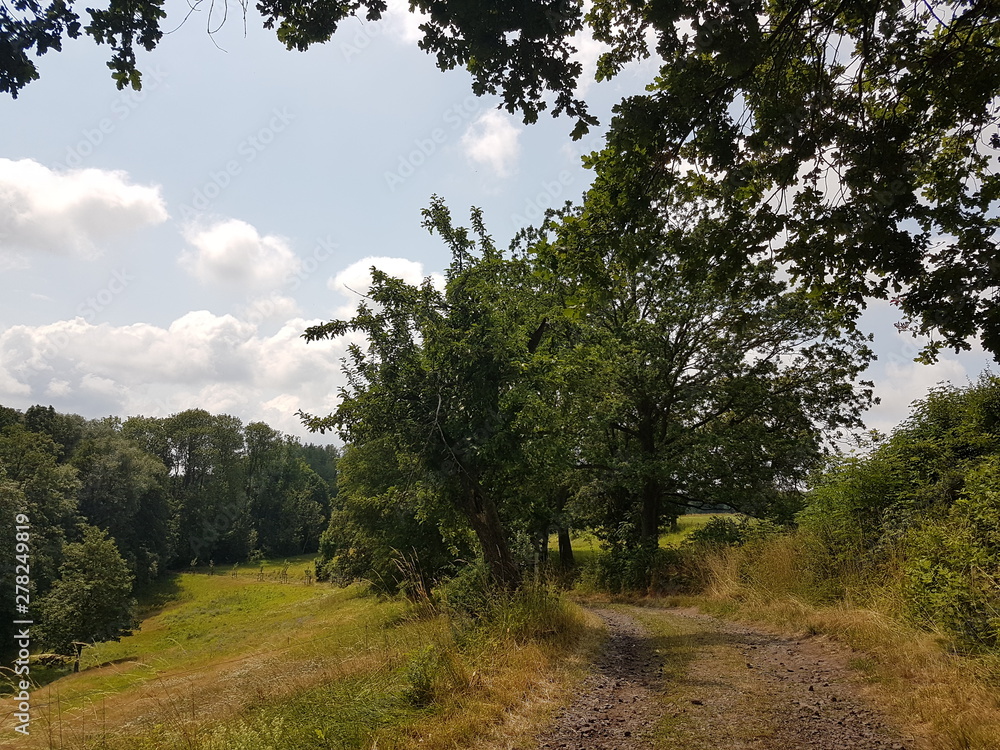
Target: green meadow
(224, 662)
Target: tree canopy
(92, 599)
(569, 377)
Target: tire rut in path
(728, 687)
(617, 704)
(740, 688)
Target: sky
(164, 249)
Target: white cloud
(902, 383)
(356, 280)
(492, 140)
(200, 360)
(58, 388)
(69, 213)
(401, 24)
(273, 307)
(233, 252)
(898, 379)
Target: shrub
(720, 530)
(622, 570)
(952, 572)
(467, 593)
(432, 673)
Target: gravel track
(673, 678)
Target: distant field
(586, 545)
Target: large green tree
(694, 387)
(92, 599)
(49, 492)
(287, 502)
(440, 375)
(124, 492)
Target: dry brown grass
(512, 691)
(949, 700)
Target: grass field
(262, 656)
(225, 662)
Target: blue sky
(164, 249)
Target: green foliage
(701, 387)
(66, 430)
(467, 593)
(631, 569)
(287, 503)
(445, 377)
(925, 499)
(49, 491)
(722, 531)
(952, 570)
(381, 533)
(124, 492)
(848, 507)
(92, 600)
(431, 674)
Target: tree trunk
(649, 531)
(565, 549)
(485, 521)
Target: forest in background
(115, 504)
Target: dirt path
(672, 679)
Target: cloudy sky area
(165, 249)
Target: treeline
(586, 378)
(114, 504)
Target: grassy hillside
(228, 662)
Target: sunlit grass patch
(586, 546)
(686, 524)
(235, 662)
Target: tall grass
(785, 582)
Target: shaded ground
(617, 705)
(671, 678)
